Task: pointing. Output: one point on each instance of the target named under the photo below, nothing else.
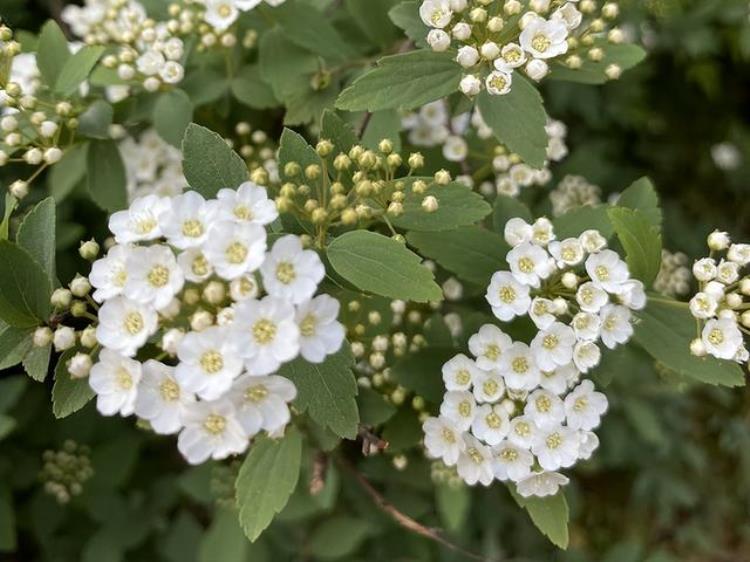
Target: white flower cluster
(504, 418)
(221, 14)
(433, 125)
(148, 52)
(494, 42)
(152, 166)
(187, 272)
(719, 305)
(573, 192)
(674, 275)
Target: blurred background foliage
(670, 483)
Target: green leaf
(384, 124)
(11, 391)
(641, 241)
(76, 69)
(327, 391)
(36, 362)
(7, 425)
(371, 17)
(373, 408)
(377, 264)
(14, 344)
(472, 253)
(549, 515)
(506, 208)
(52, 52)
(173, 112)
(250, 89)
(665, 331)
(95, 121)
(518, 120)
(406, 16)
(267, 478)
(403, 81)
(642, 197)
(338, 537)
(68, 172)
(285, 66)
(204, 86)
(68, 394)
(626, 56)
(25, 288)
(458, 205)
(294, 148)
(453, 505)
(574, 222)
(312, 30)
(339, 132)
(208, 163)
(421, 372)
(7, 521)
(107, 181)
(37, 236)
(307, 105)
(224, 541)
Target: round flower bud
(79, 365)
(470, 85)
(63, 108)
(8, 123)
(200, 320)
(430, 204)
(48, 129)
(171, 339)
(489, 50)
(733, 300)
(442, 177)
(478, 15)
(125, 72)
(385, 146)
(458, 5)
(61, 298)
(718, 240)
(324, 147)
(495, 24)
(79, 309)
(613, 71)
(461, 31)
(80, 286)
(53, 155)
(33, 156)
(19, 189)
(745, 286)
(616, 36)
(172, 310)
(536, 69)
(89, 250)
(64, 338)
(697, 348)
(569, 280)
(214, 292)
(416, 160)
(88, 337)
(467, 56)
(42, 336)
(438, 40)
(151, 84)
(610, 10)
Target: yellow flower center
(225, 10)
(580, 404)
(256, 393)
(475, 455)
(448, 435)
(120, 277)
(716, 336)
(192, 228)
(540, 42)
(212, 362)
(264, 331)
(144, 226)
(307, 326)
(554, 440)
(133, 323)
(550, 341)
(169, 390)
(243, 212)
(493, 420)
(492, 352)
(463, 377)
(602, 272)
(543, 404)
(526, 265)
(215, 424)
(489, 387)
(246, 286)
(124, 379)
(522, 429)
(158, 276)
(285, 272)
(509, 455)
(507, 294)
(236, 253)
(499, 82)
(464, 409)
(200, 265)
(520, 365)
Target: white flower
(435, 13)
(703, 306)
(150, 62)
(470, 85)
(727, 272)
(187, 220)
(553, 347)
(722, 338)
(633, 294)
(266, 334)
(586, 356)
(739, 253)
(607, 271)
(248, 203)
(499, 82)
(290, 272)
(568, 252)
(545, 409)
(541, 484)
(556, 447)
(719, 241)
(125, 325)
(488, 387)
(211, 430)
(588, 443)
(529, 264)
(262, 402)
(114, 379)
(541, 312)
(243, 288)
(194, 265)
(109, 274)
(584, 406)
(704, 269)
(560, 379)
(491, 424)
(220, 14)
(455, 149)
(321, 334)
(517, 231)
(569, 15)
(64, 338)
(511, 462)
(234, 249)
(523, 431)
(542, 232)
(153, 275)
(592, 241)
(544, 39)
(140, 222)
(160, 398)
(467, 56)
(443, 440)
(461, 31)
(519, 368)
(438, 40)
(488, 345)
(511, 56)
(507, 297)
(460, 372)
(587, 326)
(616, 326)
(475, 462)
(536, 69)
(209, 362)
(591, 297)
(459, 407)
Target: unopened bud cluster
(66, 470)
(674, 275)
(572, 193)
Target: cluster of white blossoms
(221, 14)
(152, 166)
(196, 278)
(574, 192)
(719, 306)
(433, 125)
(520, 411)
(674, 275)
(496, 38)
